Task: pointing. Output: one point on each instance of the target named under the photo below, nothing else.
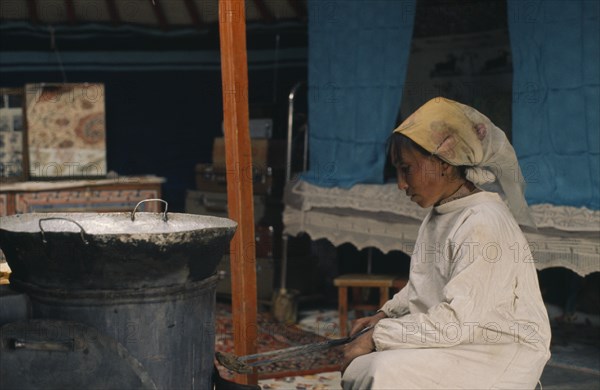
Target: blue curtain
(358, 54)
(556, 99)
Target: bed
(381, 216)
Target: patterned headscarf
(462, 136)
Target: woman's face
(421, 178)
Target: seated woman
(471, 316)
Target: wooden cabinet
(106, 195)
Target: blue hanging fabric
(358, 55)
(556, 99)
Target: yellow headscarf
(462, 136)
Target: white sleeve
(470, 295)
(398, 305)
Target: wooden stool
(383, 282)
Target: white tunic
(471, 316)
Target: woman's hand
(364, 322)
(363, 344)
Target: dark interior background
(163, 122)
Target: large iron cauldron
(113, 250)
(145, 279)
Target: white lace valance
(381, 216)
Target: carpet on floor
(272, 335)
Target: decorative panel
(11, 134)
(86, 200)
(66, 130)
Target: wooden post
(234, 74)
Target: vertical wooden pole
(234, 74)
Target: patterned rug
(272, 336)
(323, 381)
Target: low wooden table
(383, 282)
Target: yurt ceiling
(163, 14)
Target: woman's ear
(445, 168)
(453, 172)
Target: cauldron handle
(82, 232)
(150, 200)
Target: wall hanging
(65, 130)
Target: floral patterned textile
(324, 381)
(272, 336)
(66, 130)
